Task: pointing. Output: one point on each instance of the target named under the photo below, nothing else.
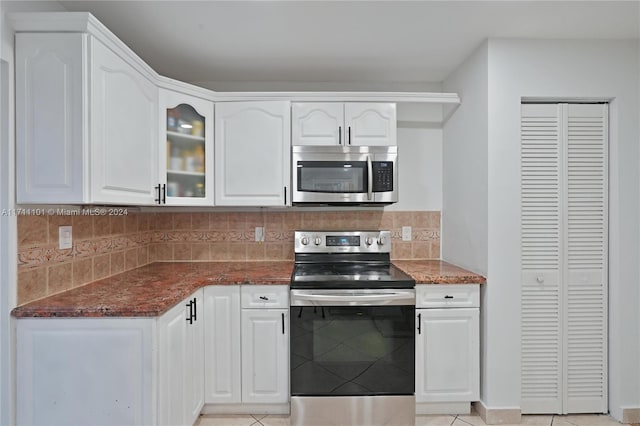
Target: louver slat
(540, 244)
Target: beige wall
(108, 245)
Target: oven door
(352, 342)
(338, 174)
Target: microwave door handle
(369, 178)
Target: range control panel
(342, 241)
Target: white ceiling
(347, 42)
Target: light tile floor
(461, 420)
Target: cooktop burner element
(345, 259)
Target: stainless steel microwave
(339, 174)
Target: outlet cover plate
(406, 233)
(65, 237)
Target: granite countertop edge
(151, 290)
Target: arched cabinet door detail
(252, 153)
(186, 150)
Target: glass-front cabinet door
(186, 156)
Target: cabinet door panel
(314, 123)
(194, 377)
(51, 80)
(124, 131)
(265, 356)
(60, 362)
(222, 344)
(447, 355)
(172, 341)
(252, 153)
(370, 123)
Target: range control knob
(368, 241)
(304, 241)
(381, 241)
(317, 241)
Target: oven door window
(332, 176)
(352, 350)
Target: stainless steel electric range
(352, 331)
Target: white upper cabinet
(124, 114)
(336, 123)
(86, 123)
(252, 154)
(370, 124)
(186, 150)
(314, 123)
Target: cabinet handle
(158, 199)
(264, 298)
(285, 195)
(448, 297)
(283, 323)
(195, 309)
(190, 317)
(339, 135)
(349, 135)
(419, 323)
(164, 193)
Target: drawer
(448, 296)
(264, 296)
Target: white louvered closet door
(564, 257)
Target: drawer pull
(448, 297)
(264, 298)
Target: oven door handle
(369, 178)
(312, 298)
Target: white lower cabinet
(222, 344)
(447, 348)
(247, 348)
(181, 363)
(265, 355)
(110, 371)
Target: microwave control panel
(382, 176)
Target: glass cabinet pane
(185, 152)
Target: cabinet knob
(540, 279)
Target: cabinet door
(370, 123)
(172, 347)
(252, 154)
(265, 355)
(51, 126)
(222, 344)
(447, 355)
(317, 123)
(81, 371)
(124, 143)
(194, 375)
(186, 149)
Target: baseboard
(631, 415)
(498, 416)
(451, 408)
(246, 409)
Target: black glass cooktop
(349, 275)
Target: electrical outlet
(260, 233)
(406, 233)
(65, 237)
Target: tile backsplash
(107, 245)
